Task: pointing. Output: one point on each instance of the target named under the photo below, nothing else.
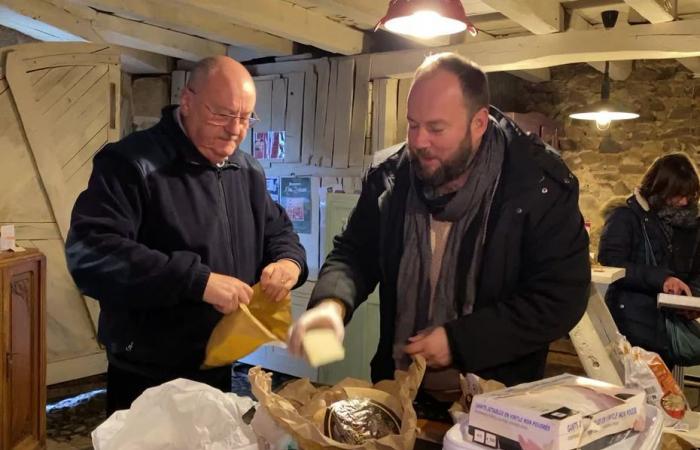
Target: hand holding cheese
(321, 347)
(328, 315)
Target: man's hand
(673, 285)
(226, 293)
(278, 278)
(431, 345)
(327, 314)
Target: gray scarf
(413, 284)
(672, 217)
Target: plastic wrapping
(646, 370)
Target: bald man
(173, 229)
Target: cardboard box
(559, 413)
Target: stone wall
(611, 163)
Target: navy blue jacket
(155, 220)
(632, 300)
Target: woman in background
(654, 235)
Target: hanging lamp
(426, 18)
(604, 111)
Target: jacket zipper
(227, 221)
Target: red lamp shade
(426, 18)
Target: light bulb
(602, 123)
(425, 25)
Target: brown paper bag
(297, 408)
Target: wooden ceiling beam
(618, 70)
(655, 11)
(537, 16)
(196, 22)
(46, 21)
(286, 20)
(680, 39)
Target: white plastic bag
(180, 414)
(270, 435)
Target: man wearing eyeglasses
(173, 229)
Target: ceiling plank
(533, 76)
(139, 61)
(537, 16)
(618, 70)
(197, 22)
(655, 11)
(43, 20)
(692, 64)
(363, 14)
(47, 22)
(680, 39)
(288, 21)
(129, 33)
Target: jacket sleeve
(350, 272)
(548, 302)
(281, 241)
(102, 252)
(616, 249)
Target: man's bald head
(218, 67)
(219, 90)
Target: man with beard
(173, 229)
(474, 234)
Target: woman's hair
(670, 176)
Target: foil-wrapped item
(355, 420)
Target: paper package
(559, 413)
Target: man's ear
(480, 122)
(185, 100)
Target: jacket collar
(184, 146)
(643, 203)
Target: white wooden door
(58, 106)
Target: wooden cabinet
(22, 350)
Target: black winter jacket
(632, 300)
(155, 220)
(535, 274)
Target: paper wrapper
(298, 406)
(243, 331)
(470, 386)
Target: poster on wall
(273, 188)
(295, 198)
(269, 145)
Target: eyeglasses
(217, 118)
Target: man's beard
(448, 170)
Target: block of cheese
(322, 347)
